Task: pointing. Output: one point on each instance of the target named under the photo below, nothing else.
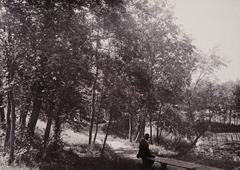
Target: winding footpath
(120, 146)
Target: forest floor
(121, 154)
(128, 150)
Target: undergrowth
(66, 157)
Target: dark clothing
(145, 153)
(143, 149)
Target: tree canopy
(127, 64)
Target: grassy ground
(4, 165)
(121, 154)
(77, 157)
(70, 160)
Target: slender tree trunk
(11, 107)
(2, 114)
(130, 127)
(13, 125)
(22, 118)
(23, 114)
(191, 146)
(93, 107)
(230, 116)
(96, 131)
(48, 129)
(57, 129)
(138, 134)
(157, 129)
(150, 124)
(80, 116)
(11, 117)
(141, 128)
(94, 89)
(57, 121)
(37, 102)
(158, 126)
(105, 139)
(7, 136)
(160, 133)
(143, 124)
(171, 136)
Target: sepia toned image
(119, 84)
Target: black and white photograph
(119, 84)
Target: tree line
(125, 63)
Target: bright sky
(214, 23)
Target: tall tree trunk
(57, 129)
(143, 124)
(158, 126)
(57, 121)
(138, 134)
(11, 113)
(48, 129)
(230, 116)
(23, 114)
(214, 118)
(37, 102)
(2, 114)
(105, 139)
(93, 107)
(13, 125)
(96, 131)
(158, 123)
(130, 127)
(150, 124)
(7, 136)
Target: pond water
(220, 145)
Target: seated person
(144, 152)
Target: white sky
(214, 23)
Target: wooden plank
(175, 162)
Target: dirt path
(119, 146)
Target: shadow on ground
(126, 151)
(68, 160)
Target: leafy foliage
(84, 62)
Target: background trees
(123, 63)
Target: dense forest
(124, 64)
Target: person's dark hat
(146, 136)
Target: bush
(119, 128)
(174, 145)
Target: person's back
(144, 149)
(144, 152)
